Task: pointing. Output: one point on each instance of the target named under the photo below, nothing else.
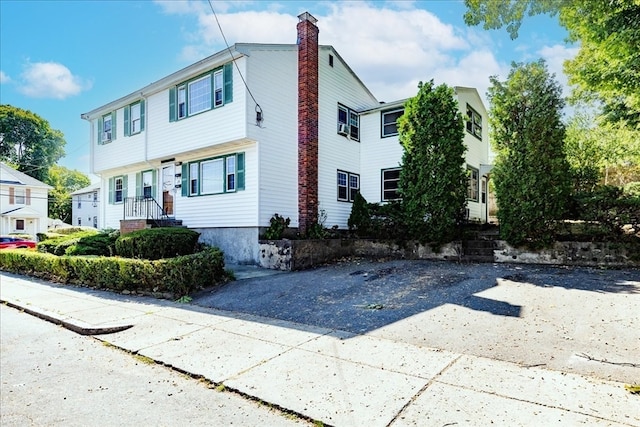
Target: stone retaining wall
(303, 254)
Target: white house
(225, 143)
(23, 203)
(85, 206)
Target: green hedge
(177, 276)
(58, 245)
(157, 243)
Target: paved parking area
(582, 320)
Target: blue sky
(60, 59)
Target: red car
(10, 242)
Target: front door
(168, 187)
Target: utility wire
(259, 114)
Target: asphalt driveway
(583, 320)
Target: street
(53, 377)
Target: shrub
(59, 245)
(157, 243)
(277, 226)
(360, 217)
(607, 205)
(176, 276)
(103, 243)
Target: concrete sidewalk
(332, 376)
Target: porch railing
(141, 207)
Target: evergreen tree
(531, 173)
(433, 182)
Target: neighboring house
(85, 206)
(302, 136)
(24, 203)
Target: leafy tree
(28, 142)
(531, 171)
(607, 66)
(601, 152)
(64, 182)
(433, 182)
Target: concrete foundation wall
(238, 244)
(570, 253)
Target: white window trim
(107, 135)
(115, 189)
(206, 106)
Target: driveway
(572, 319)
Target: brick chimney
(307, 122)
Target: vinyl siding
(337, 85)
(272, 76)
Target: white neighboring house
(301, 137)
(85, 206)
(24, 203)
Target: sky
(60, 58)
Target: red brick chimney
(307, 122)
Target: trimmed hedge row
(177, 276)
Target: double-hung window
(224, 174)
(348, 122)
(118, 193)
(473, 188)
(107, 128)
(134, 118)
(19, 196)
(474, 122)
(218, 88)
(205, 92)
(147, 184)
(348, 186)
(390, 181)
(390, 122)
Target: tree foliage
(64, 182)
(607, 66)
(433, 182)
(601, 152)
(531, 171)
(28, 142)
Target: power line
(259, 113)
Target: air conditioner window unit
(343, 129)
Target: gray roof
(8, 175)
(90, 189)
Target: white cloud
(555, 56)
(50, 80)
(4, 78)
(390, 47)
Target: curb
(76, 326)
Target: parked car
(11, 242)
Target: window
(107, 122)
(231, 173)
(348, 122)
(19, 224)
(182, 102)
(79, 221)
(134, 118)
(19, 195)
(348, 186)
(194, 178)
(95, 199)
(218, 88)
(474, 122)
(211, 90)
(147, 184)
(95, 222)
(473, 189)
(79, 203)
(389, 122)
(199, 96)
(119, 187)
(331, 60)
(213, 176)
(390, 180)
